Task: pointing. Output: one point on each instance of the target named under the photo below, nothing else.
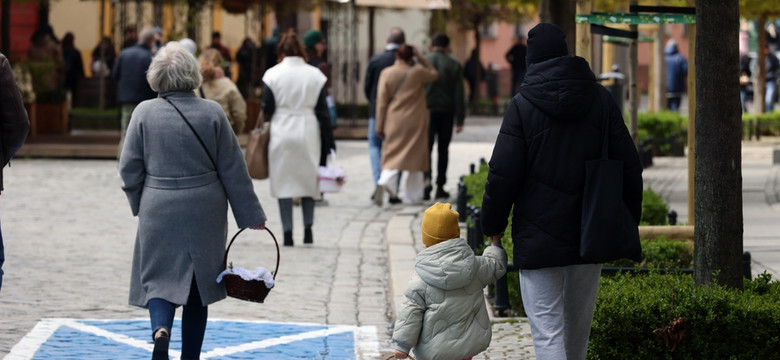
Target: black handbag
(608, 230)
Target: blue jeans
(193, 321)
(674, 103)
(374, 149)
(2, 259)
(769, 100)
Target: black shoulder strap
(194, 132)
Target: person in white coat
(443, 315)
(301, 135)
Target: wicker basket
(391, 357)
(249, 290)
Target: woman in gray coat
(179, 185)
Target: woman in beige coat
(221, 89)
(402, 120)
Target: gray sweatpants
(559, 303)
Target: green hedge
(661, 252)
(717, 323)
(769, 124)
(654, 209)
(660, 126)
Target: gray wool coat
(180, 200)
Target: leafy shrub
(661, 252)
(661, 126)
(769, 123)
(654, 209)
(713, 322)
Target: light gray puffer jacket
(443, 315)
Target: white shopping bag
(331, 178)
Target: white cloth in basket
(260, 274)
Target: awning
(406, 4)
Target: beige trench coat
(404, 120)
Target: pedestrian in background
(130, 74)
(190, 45)
(772, 68)
(744, 79)
(103, 57)
(471, 69)
(446, 104)
(216, 43)
(443, 314)
(315, 43)
(130, 37)
(516, 59)
(402, 122)
(379, 62)
(74, 66)
(537, 173)
(14, 126)
(179, 176)
(676, 72)
(219, 88)
(301, 138)
(248, 60)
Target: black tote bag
(609, 231)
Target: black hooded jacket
(550, 129)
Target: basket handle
(276, 270)
(391, 357)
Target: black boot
(308, 238)
(161, 342)
(441, 194)
(288, 238)
(427, 192)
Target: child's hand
(400, 354)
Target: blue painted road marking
(225, 339)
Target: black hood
(562, 87)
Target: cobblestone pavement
(69, 235)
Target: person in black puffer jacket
(538, 166)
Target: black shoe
(288, 238)
(160, 351)
(308, 238)
(441, 194)
(394, 200)
(427, 192)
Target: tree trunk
(759, 87)
(561, 13)
(371, 35)
(718, 178)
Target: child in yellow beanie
(443, 315)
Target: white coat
(443, 314)
(294, 148)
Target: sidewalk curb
(401, 253)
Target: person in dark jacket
(395, 39)
(14, 126)
(772, 68)
(103, 67)
(676, 72)
(446, 103)
(74, 66)
(516, 58)
(471, 69)
(130, 74)
(744, 80)
(538, 167)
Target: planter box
(49, 118)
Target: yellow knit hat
(440, 223)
